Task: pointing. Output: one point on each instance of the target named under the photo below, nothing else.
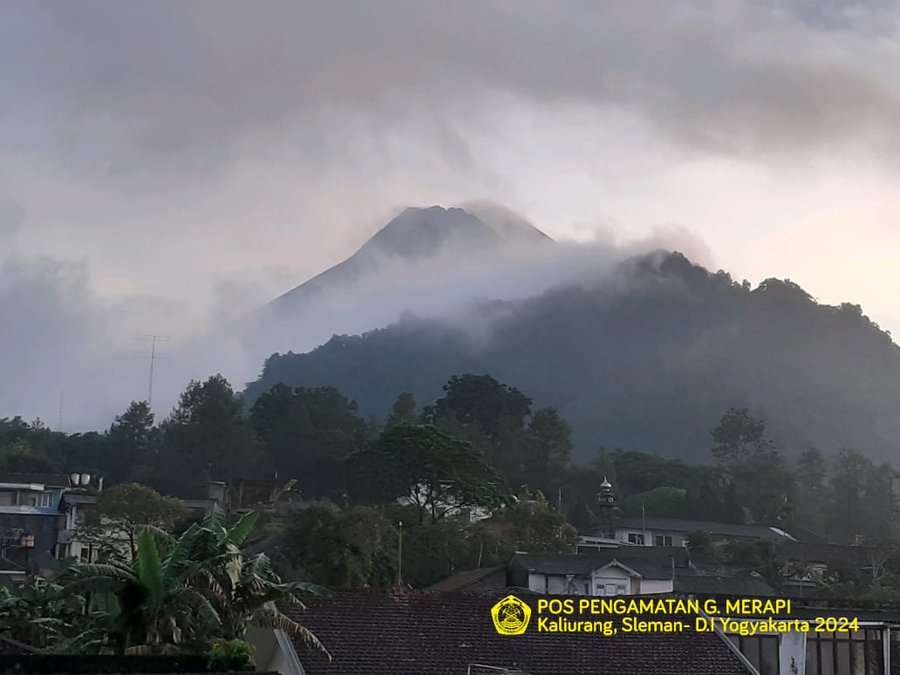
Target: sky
(167, 165)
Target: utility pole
(400, 553)
(59, 418)
(152, 362)
(154, 339)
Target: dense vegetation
(467, 480)
(192, 593)
(646, 360)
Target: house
(268, 496)
(655, 531)
(31, 520)
(806, 564)
(629, 570)
(407, 633)
(414, 633)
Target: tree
(436, 472)
(20, 457)
(665, 501)
(207, 437)
(185, 594)
(131, 438)
(403, 411)
(547, 447)
(123, 512)
(483, 401)
(38, 614)
(847, 488)
(811, 470)
(529, 524)
(307, 434)
(739, 436)
(354, 547)
(753, 469)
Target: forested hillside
(647, 360)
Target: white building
(653, 531)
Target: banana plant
(180, 594)
(155, 609)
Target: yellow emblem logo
(511, 616)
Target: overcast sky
(162, 160)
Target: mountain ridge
(649, 362)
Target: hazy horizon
(171, 166)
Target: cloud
(191, 85)
(200, 157)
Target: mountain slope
(649, 362)
(416, 234)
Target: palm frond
(271, 617)
(242, 529)
(149, 568)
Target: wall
(678, 538)
(656, 585)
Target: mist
(74, 360)
(170, 168)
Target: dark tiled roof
(721, 585)
(472, 579)
(378, 633)
(651, 562)
(827, 553)
(52, 479)
(710, 527)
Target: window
(42, 500)
(663, 540)
(844, 653)
(635, 538)
(761, 651)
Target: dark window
(762, 652)
(663, 540)
(857, 653)
(635, 539)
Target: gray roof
(720, 585)
(710, 527)
(651, 562)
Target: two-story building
(31, 518)
(628, 570)
(655, 531)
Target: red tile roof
(375, 633)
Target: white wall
(678, 538)
(656, 586)
(603, 579)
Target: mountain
(647, 360)
(417, 234)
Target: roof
(380, 633)
(470, 579)
(827, 553)
(23, 661)
(7, 566)
(51, 479)
(10, 647)
(702, 584)
(651, 562)
(723, 529)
